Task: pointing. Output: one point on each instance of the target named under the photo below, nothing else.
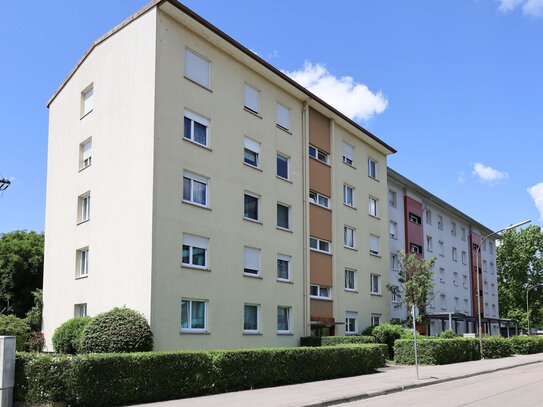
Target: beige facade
(199, 183)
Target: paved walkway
(331, 392)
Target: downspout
(305, 235)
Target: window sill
(375, 255)
(283, 179)
(347, 290)
(252, 220)
(86, 114)
(279, 280)
(252, 166)
(319, 161)
(194, 333)
(320, 206)
(282, 128)
(320, 298)
(194, 143)
(207, 208)
(376, 294)
(351, 248)
(252, 333)
(349, 165)
(349, 206)
(394, 237)
(82, 277)
(256, 114)
(373, 178)
(189, 267)
(285, 334)
(83, 221)
(284, 229)
(257, 277)
(84, 168)
(374, 216)
(198, 84)
(320, 251)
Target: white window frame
(197, 68)
(463, 233)
(375, 278)
(87, 100)
(440, 222)
(252, 331)
(288, 259)
(415, 248)
(376, 319)
(394, 294)
(348, 154)
(82, 262)
(195, 118)
(321, 292)
(318, 244)
(374, 238)
(251, 257)
(428, 216)
(282, 116)
(392, 198)
(453, 228)
(349, 237)
(348, 280)
(192, 178)
(319, 199)
(252, 146)
(429, 244)
(287, 160)
(84, 207)
(351, 318)
(289, 221)
(80, 310)
(464, 257)
(394, 262)
(289, 325)
(257, 206)
(441, 248)
(372, 168)
(346, 189)
(454, 254)
(249, 93)
(373, 206)
(190, 328)
(85, 154)
(319, 155)
(193, 241)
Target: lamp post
(528, 288)
(479, 284)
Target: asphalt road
(521, 386)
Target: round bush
(10, 325)
(118, 330)
(387, 334)
(447, 334)
(67, 337)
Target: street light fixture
(528, 288)
(479, 284)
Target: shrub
(12, 326)
(310, 341)
(436, 351)
(497, 347)
(448, 334)
(118, 330)
(368, 331)
(346, 340)
(387, 334)
(526, 345)
(67, 337)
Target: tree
(33, 316)
(21, 270)
(416, 280)
(519, 260)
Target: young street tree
(519, 260)
(416, 280)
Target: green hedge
(526, 345)
(345, 340)
(120, 379)
(436, 351)
(495, 347)
(67, 337)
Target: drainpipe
(305, 175)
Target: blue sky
(454, 85)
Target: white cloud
(488, 174)
(536, 192)
(532, 8)
(461, 178)
(351, 98)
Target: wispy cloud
(461, 178)
(351, 98)
(488, 174)
(531, 8)
(536, 192)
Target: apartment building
(420, 222)
(230, 205)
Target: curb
(367, 395)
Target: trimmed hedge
(310, 341)
(67, 337)
(120, 379)
(346, 340)
(526, 345)
(495, 347)
(436, 351)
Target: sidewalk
(331, 392)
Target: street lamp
(528, 288)
(479, 284)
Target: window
(251, 317)
(318, 199)
(429, 244)
(453, 228)
(454, 254)
(414, 218)
(194, 251)
(372, 168)
(490, 247)
(348, 237)
(348, 195)
(428, 216)
(196, 68)
(319, 245)
(87, 100)
(194, 188)
(374, 245)
(283, 216)
(392, 198)
(80, 310)
(283, 320)
(84, 207)
(393, 229)
(196, 128)
(320, 291)
(283, 166)
(252, 99)
(251, 152)
(415, 248)
(440, 222)
(193, 315)
(283, 267)
(463, 233)
(394, 261)
(464, 257)
(441, 248)
(318, 154)
(251, 206)
(491, 268)
(350, 323)
(85, 154)
(375, 284)
(251, 264)
(484, 246)
(350, 280)
(348, 154)
(394, 294)
(485, 268)
(375, 319)
(373, 206)
(283, 117)
(83, 262)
